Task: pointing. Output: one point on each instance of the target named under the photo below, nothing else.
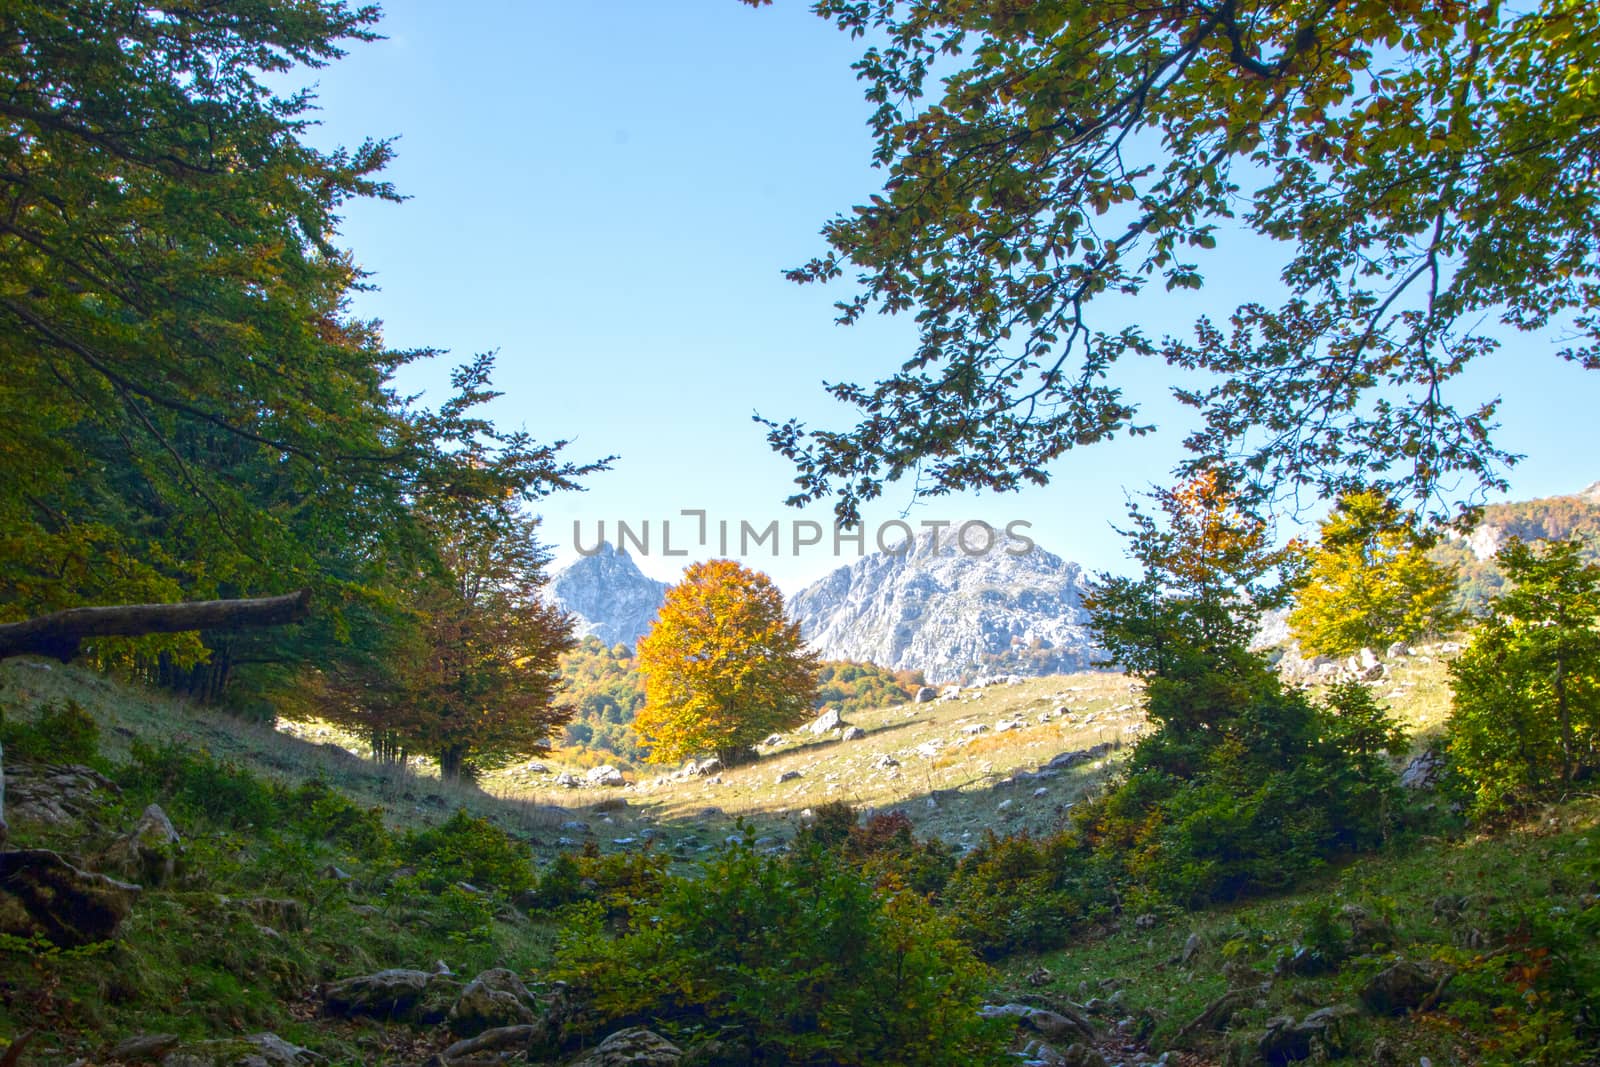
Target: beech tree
(1369, 582)
(1427, 169)
(723, 665)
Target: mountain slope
(946, 613)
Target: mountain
(1572, 515)
(947, 613)
(611, 597)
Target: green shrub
(321, 814)
(617, 882)
(884, 846)
(1024, 894)
(468, 849)
(797, 959)
(59, 733)
(193, 785)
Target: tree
(1526, 704)
(1369, 582)
(1426, 168)
(191, 410)
(723, 665)
(1244, 784)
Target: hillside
(283, 889)
(1472, 556)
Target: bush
(617, 882)
(799, 959)
(59, 733)
(194, 785)
(1024, 894)
(468, 849)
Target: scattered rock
(924, 695)
(496, 998)
(636, 1047)
(1320, 1033)
(1397, 650)
(707, 767)
(1191, 949)
(852, 733)
(41, 893)
(826, 723)
(1147, 921)
(1215, 1016)
(975, 729)
(789, 776)
(928, 749)
(568, 780)
(1367, 932)
(1067, 760)
(257, 1050)
(604, 776)
(772, 740)
(1039, 976)
(883, 761)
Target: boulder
(498, 1039)
(54, 794)
(148, 853)
(257, 1050)
(41, 893)
(399, 994)
(494, 999)
(852, 733)
(1401, 988)
(144, 1048)
(925, 694)
(883, 761)
(1319, 1034)
(1056, 1027)
(1424, 771)
(636, 1047)
(604, 776)
(827, 722)
(789, 776)
(705, 768)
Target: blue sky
(608, 194)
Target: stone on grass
(42, 894)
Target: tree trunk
(450, 761)
(60, 635)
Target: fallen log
(61, 634)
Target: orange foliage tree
(723, 665)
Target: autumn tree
(723, 665)
(1527, 689)
(1369, 581)
(1427, 171)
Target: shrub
(617, 882)
(192, 784)
(468, 849)
(1024, 893)
(322, 814)
(800, 958)
(59, 733)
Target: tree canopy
(1427, 169)
(1369, 582)
(723, 665)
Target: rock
(1320, 1033)
(257, 1050)
(706, 767)
(925, 694)
(928, 749)
(1400, 988)
(1366, 931)
(1039, 976)
(1191, 949)
(975, 729)
(41, 893)
(604, 776)
(773, 740)
(636, 1047)
(949, 692)
(144, 1048)
(1424, 771)
(789, 776)
(1081, 1054)
(1215, 1015)
(568, 780)
(54, 794)
(1068, 760)
(852, 733)
(825, 723)
(1397, 650)
(883, 761)
(612, 598)
(498, 1039)
(148, 853)
(1054, 1026)
(1147, 921)
(399, 994)
(495, 998)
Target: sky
(607, 196)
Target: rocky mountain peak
(948, 611)
(612, 598)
